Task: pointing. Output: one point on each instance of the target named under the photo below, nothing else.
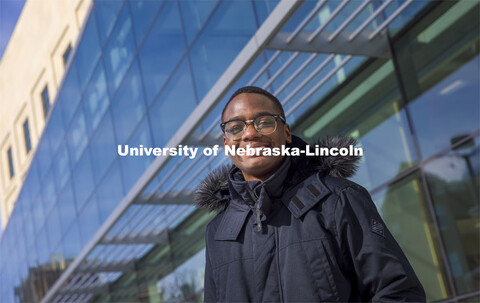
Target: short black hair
(255, 90)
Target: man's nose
(250, 132)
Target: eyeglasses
(264, 124)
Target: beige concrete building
(31, 71)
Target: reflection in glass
(134, 167)
(368, 108)
(66, 207)
(49, 192)
(163, 48)
(404, 209)
(220, 41)
(103, 147)
(120, 50)
(61, 166)
(128, 107)
(69, 95)
(77, 136)
(439, 64)
(143, 12)
(72, 242)
(88, 220)
(87, 53)
(194, 15)
(43, 159)
(450, 109)
(173, 106)
(453, 180)
(82, 180)
(106, 12)
(55, 129)
(54, 232)
(96, 99)
(110, 192)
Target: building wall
(32, 61)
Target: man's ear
(288, 133)
(224, 141)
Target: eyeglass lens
(265, 125)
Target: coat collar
(298, 200)
(213, 193)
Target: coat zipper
(277, 262)
(257, 210)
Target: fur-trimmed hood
(212, 194)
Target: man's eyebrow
(256, 115)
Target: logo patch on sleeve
(377, 227)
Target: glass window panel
(453, 180)
(72, 242)
(11, 168)
(61, 166)
(55, 130)
(89, 220)
(448, 111)
(66, 207)
(103, 148)
(408, 14)
(403, 207)
(173, 106)
(26, 136)
(83, 181)
(38, 214)
(133, 167)
(440, 73)
(189, 277)
(106, 12)
(49, 192)
(28, 226)
(43, 157)
(194, 15)
(42, 247)
(53, 228)
(110, 192)
(45, 101)
(96, 99)
(66, 54)
(368, 108)
(69, 95)
(299, 15)
(264, 8)
(157, 61)
(87, 53)
(77, 136)
(128, 107)
(120, 50)
(214, 115)
(219, 43)
(143, 13)
(472, 299)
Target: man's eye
(264, 124)
(235, 129)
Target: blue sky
(9, 12)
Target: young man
(292, 228)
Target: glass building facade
(92, 226)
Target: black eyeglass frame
(222, 125)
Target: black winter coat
(303, 235)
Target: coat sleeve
(382, 272)
(209, 289)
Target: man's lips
(257, 145)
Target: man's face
(249, 106)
